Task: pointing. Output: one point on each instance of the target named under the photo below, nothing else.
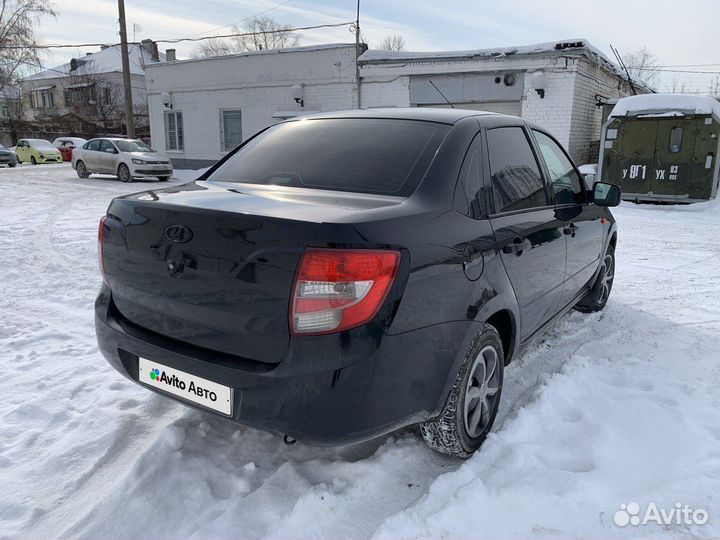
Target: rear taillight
(338, 289)
(101, 237)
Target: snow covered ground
(605, 409)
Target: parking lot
(601, 411)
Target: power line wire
(186, 39)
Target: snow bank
(601, 410)
(666, 105)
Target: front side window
(231, 125)
(565, 181)
(106, 145)
(516, 180)
(93, 145)
(361, 155)
(174, 131)
(675, 140)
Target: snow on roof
(106, 60)
(567, 45)
(667, 105)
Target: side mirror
(111, 151)
(605, 194)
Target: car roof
(428, 114)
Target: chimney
(151, 47)
(170, 55)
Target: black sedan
(341, 276)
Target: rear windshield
(362, 155)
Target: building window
(230, 129)
(42, 99)
(174, 131)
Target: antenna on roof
(622, 65)
(443, 95)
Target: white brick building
(573, 77)
(200, 109)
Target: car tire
(460, 428)
(124, 173)
(33, 160)
(81, 170)
(596, 299)
(163, 178)
(11, 164)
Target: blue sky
(678, 33)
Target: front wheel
(124, 173)
(11, 164)
(81, 170)
(472, 404)
(33, 160)
(598, 296)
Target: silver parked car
(127, 158)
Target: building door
(673, 160)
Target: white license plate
(190, 387)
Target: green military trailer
(662, 147)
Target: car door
(582, 222)
(90, 155)
(21, 151)
(106, 157)
(527, 231)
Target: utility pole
(129, 115)
(357, 53)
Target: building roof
(667, 105)
(548, 47)
(106, 60)
(243, 54)
(429, 114)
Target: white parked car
(127, 158)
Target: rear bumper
(372, 384)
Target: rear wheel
(124, 173)
(472, 404)
(33, 160)
(598, 296)
(81, 170)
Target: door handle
(517, 246)
(570, 229)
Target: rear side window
(516, 180)
(363, 155)
(470, 183)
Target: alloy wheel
(481, 391)
(607, 274)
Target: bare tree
(392, 42)
(678, 86)
(714, 89)
(212, 47)
(17, 37)
(264, 33)
(643, 66)
(93, 96)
